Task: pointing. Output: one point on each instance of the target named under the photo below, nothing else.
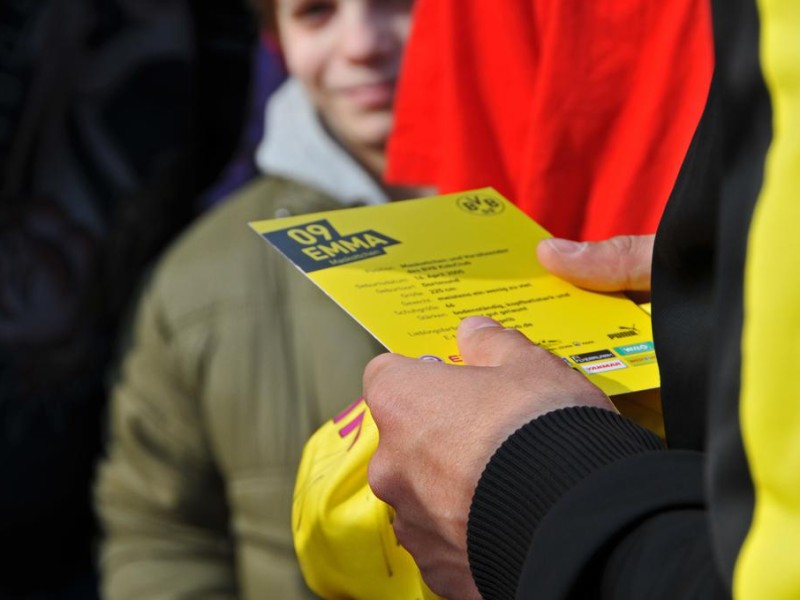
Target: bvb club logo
(483, 206)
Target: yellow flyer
(410, 271)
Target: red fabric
(578, 111)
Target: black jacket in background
(115, 115)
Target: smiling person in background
(235, 358)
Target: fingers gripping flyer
(409, 271)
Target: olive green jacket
(235, 360)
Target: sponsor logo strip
(610, 365)
(638, 361)
(634, 348)
(592, 356)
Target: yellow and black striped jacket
(584, 504)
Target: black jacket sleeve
(608, 514)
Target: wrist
(528, 474)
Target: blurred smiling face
(347, 54)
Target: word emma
(318, 245)
(334, 248)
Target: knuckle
(379, 478)
(378, 365)
(375, 377)
(403, 533)
(623, 244)
(625, 247)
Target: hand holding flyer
(410, 271)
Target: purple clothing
(268, 73)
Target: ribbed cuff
(528, 474)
